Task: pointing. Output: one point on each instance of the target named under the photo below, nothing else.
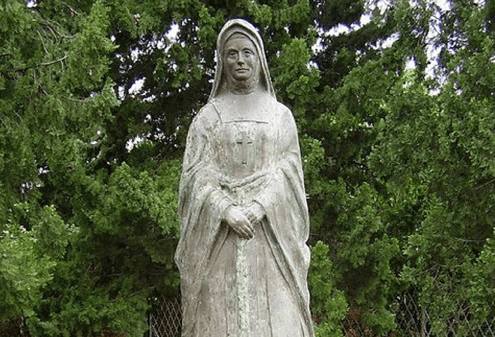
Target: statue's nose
(241, 61)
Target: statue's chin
(242, 77)
(240, 87)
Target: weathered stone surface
(242, 255)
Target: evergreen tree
(95, 102)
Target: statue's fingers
(249, 231)
(250, 235)
(245, 235)
(252, 218)
(239, 230)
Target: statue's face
(241, 60)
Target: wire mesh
(165, 318)
(411, 320)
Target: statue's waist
(244, 190)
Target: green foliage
(87, 54)
(23, 272)
(482, 292)
(365, 253)
(327, 302)
(291, 72)
(95, 102)
(433, 154)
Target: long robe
(243, 149)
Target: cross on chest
(244, 142)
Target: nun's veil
(243, 27)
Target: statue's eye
(248, 52)
(232, 55)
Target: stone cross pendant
(243, 143)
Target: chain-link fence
(165, 317)
(411, 321)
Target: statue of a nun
(242, 255)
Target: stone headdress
(243, 27)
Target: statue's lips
(242, 70)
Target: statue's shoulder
(283, 111)
(282, 107)
(207, 115)
(208, 111)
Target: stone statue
(242, 255)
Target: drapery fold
(205, 246)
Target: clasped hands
(243, 219)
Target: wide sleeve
(202, 202)
(286, 188)
(287, 220)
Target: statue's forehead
(238, 37)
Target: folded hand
(238, 221)
(255, 213)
